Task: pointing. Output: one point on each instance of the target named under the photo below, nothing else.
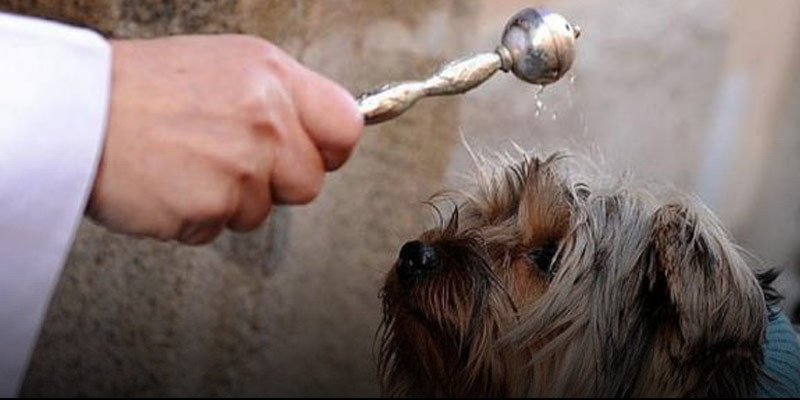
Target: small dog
(543, 284)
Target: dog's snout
(416, 258)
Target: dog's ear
(708, 305)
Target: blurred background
(701, 95)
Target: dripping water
(540, 107)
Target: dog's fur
(550, 284)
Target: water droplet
(539, 107)
(539, 103)
(572, 79)
(555, 116)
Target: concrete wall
(291, 309)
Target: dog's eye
(542, 257)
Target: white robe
(54, 95)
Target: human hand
(207, 132)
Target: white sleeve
(54, 96)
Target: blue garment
(781, 375)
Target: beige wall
(292, 308)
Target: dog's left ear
(713, 305)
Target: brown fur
(638, 297)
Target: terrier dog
(542, 283)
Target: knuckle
(264, 112)
(264, 92)
(248, 163)
(253, 106)
(249, 223)
(340, 150)
(276, 61)
(265, 58)
(246, 168)
(310, 189)
(255, 46)
(212, 208)
(271, 126)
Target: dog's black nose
(416, 258)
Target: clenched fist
(208, 132)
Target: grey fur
(644, 296)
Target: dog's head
(543, 283)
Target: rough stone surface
(291, 309)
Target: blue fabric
(781, 375)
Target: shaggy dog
(544, 283)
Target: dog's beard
(634, 298)
(440, 333)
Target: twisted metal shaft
(391, 100)
(538, 46)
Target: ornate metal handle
(391, 100)
(537, 46)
